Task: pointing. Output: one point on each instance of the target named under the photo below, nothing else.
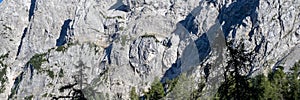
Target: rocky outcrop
(98, 49)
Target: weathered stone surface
(105, 47)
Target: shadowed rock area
(148, 49)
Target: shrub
(278, 85)
(60, 48)
(133, 95)
(156, 92)
(37, 60)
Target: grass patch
(37, 60)
(61, 48)
(123, 39)
(95, 46)
(3, 77)
(50, 73)
(133, 95)
(121, 28)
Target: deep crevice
(21, 42)
(279, 18)
(18, 80)
(15, 88)
(63, 33)
(108, 52)
(258, 47)
(31, 9)
(77, 94)
(31, 70)
(206, 71)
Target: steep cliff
(99, 49)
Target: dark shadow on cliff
(21, 42)
(189, 22)
(119, 5)
(203, 46)
(233, 16)
(229, 18)
(31, 9)
(108, 52)
(74, 94)
(172, 72)
(63, 33)
(188, 25)
(17, 81)
(183, 28)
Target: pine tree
(156, 92)
(294, 83)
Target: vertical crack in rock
(206, 71)
(108, 52)
(266, 48)
(31, 70)
(21, 42)
(279, 18)
(106, 57)
(63, 33)
(257, 47)
(31, 9)
(15, 88)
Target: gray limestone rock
(100, 49)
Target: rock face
(100, 49)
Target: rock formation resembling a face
(142, 54)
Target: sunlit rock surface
(102, 48)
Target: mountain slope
(102, 48)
